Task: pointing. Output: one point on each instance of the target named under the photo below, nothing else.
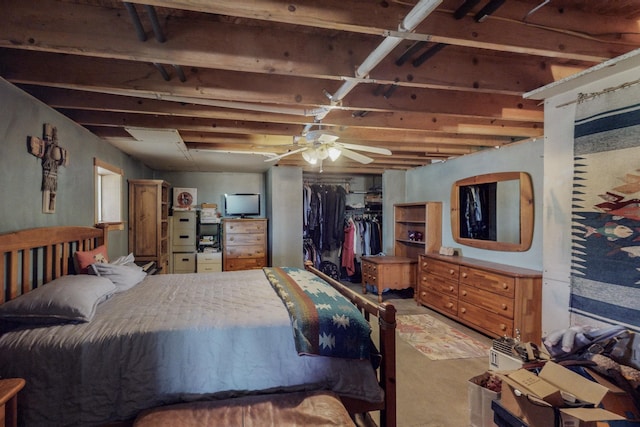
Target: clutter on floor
(580, 377)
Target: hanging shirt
(348, 250)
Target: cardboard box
(499, 361)
(616, 400)
(540, 399)
(209, 215)
(480, 398)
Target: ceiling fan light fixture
(310, 156)
(322, 152)
(334, 153)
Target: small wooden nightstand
(9, 389)
(392, 272)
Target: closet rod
(328, 181)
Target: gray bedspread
(170, 338)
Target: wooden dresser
(496, 299)
(388, 272)
(245, 244)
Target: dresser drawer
(184, 262)
(439, 284)
(438, 301)
(209, 267)
(209, 257)
(245, 251)
(491, 322)
(184, 221)
(369, 273)
(183, 239)
(244, 263)
(498, 304)
(440, 268)
(487, 280)
(244, 239)
(239, 227)
(208, 262)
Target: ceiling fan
(322, 144)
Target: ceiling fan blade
(322, 136)
(356, 156)
(288, 153)
(376, 150)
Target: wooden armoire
(149, 221)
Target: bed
(170, 338)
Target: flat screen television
(242, 204)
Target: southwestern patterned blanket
(324, 322)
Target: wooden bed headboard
(33, 257)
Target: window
(108, 191)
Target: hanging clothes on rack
(375, 242)
(313, 229)
(348, 247)
(310, 253)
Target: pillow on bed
(123, 276)
(124, 260)
(85, 258)
(66, 299)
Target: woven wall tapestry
(605, 268)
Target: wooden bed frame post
(386, 314)
(387, 325)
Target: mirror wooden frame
(526, 211)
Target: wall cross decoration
(52, 156)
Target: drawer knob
(504, 306)
(450, 305)
(503, 327)
(463, 310)
(424, 264)
(451, 271)
(231, 238)
(450, 288)
(423, 294)
(464, 293)
(464, 275)
(505, 286)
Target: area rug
(437, 340)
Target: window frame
(115, 175)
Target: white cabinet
(209, 262)
(184, 262)
(183, 241)
(184, 231)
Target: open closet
(342, 221)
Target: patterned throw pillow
(85, 259)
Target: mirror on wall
(493, 211)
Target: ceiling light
(322, 152)
(310, 156)
(334, 153)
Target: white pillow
(72, 298)
(124, 277)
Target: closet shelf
(411, 242)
